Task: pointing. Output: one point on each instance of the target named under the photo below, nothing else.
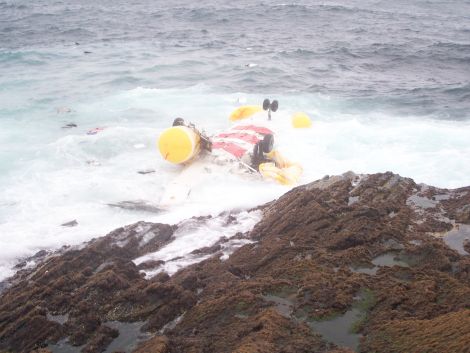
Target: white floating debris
(93, 163)
(62, 110)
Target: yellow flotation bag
(284, 176)
(282, 171)
(244, 112)
(179, 144)
(301, 120)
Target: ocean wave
(37, 16)
(299, 51)
(463, 89)
(346, 134)
(341, 9)
(9, 6)
(465, 47)
(124, 80)
(192, 64)
(342, 51)
(214, 44)
(79, 32)
(24, 58)
(9, 29)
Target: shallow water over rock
(456, 238)
(389, 259)
(339, 329)
(64, 346)
(283, 306)
(130, 336)
(60, 319)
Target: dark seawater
(410, 58)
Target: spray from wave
(64, 174)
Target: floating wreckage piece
(137, 205)
(70, 224)
(63, 110)
(146, 171)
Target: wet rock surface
(347, 263)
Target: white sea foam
(195, 234)
(51, 175)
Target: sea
(385, 83)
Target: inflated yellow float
(281, 170)
(244, 112)
(301, 120)
(179, 144)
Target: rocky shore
(370, 263)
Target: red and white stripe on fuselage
(240, 139)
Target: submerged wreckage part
(137, 205)
(299, 273)
(247, 145)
